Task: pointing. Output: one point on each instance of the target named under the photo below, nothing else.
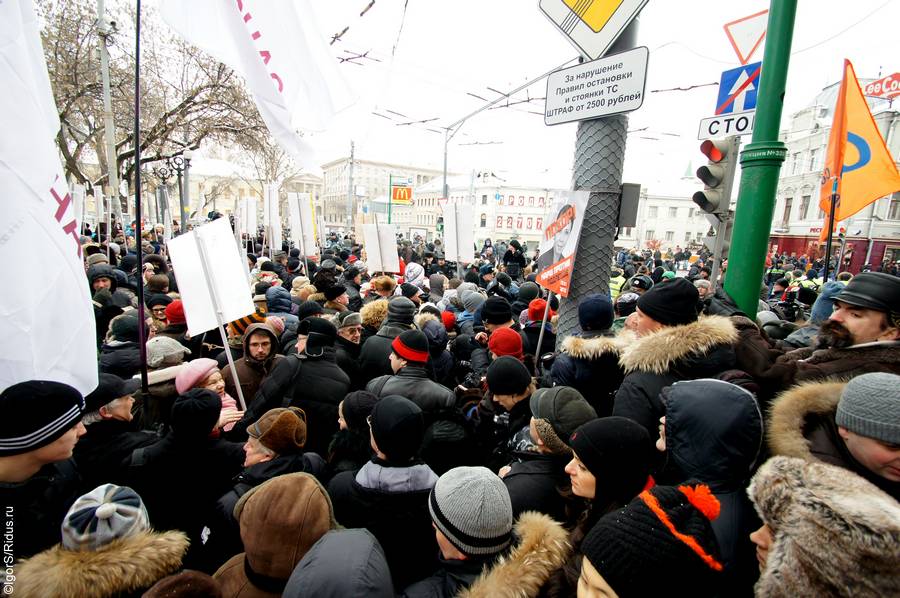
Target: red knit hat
(506, 341)
(175, 313)
(536, 310)
(449, 320)
(411, 345)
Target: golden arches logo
(401, 195)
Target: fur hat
(194, 372)
(557, 413)
(398, 428)
(25, 428)
(187, 584)
(662, 540)
(506, 341)
(349, 318)
(508, 376)
(319, 333)
(164, 351)
(870, 406)
(281, 430)
(472, 508)
(104, 514)
(333, 292)
(834, 533)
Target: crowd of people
(433, 432)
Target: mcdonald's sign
(402, 194)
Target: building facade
(667, 218)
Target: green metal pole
(390, 195)
(761, 162)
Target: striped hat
(104, 514)
(24, 428)
(411, 345)
(239, 326)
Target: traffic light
(440, 224)
(717, 176)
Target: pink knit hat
(276, 324)
(194, 372)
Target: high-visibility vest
(615, 286)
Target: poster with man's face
(560, 239)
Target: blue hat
(486, 269)
(595, 312)
(824, 304)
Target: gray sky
(447, 50)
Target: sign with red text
(888, 87)
(560, 240)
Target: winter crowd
(432, 433)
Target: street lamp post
(163, 173)
(179, 165)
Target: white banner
(381, 247)
(228, 285)
(252, 218)
(48, 331)
(273, 216)
(459, 233)
(279, 49)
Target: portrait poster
(560, 240)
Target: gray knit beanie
(870, 406)
(472, 300)
(164, 351)
(104, 514)
(471, 507)
(401, 310)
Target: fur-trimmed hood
(790, 411)
(424, 317)
(122, 567)
(592, 348)
(658, 351)
(543, 547)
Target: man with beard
(861, 336)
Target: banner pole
(537, 357)
(142, 339)
(201, 248)
(831, 207)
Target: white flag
(279, 50)
(273, 213)
(46, 325)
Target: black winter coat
(353, 293)
(101, 452)
(702, 349)
(534, 482)
(590, 364)
(451, 578)
(530, 335)
(373, 358)
(346, 355)
(413, 383)
(39, 505)
(122, 359)
(372, 498)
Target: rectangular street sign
(610, 85)
(737, 89)
(725, 125)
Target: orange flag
(857, 156)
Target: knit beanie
(308, 309)
(472, 508)
(595, 312)
(276, 323)
(194, 372)
(870, 406)
(104, 514)
(398, 428)
(281, 430)
(409, 290)
(506, 341)
(471, 300)
(411, 345)
(558, 411)
(508, 376)
(239, 327)
(25, 427)
(175, 313)
(626, 304)
(449, 320)
(437, 337)
(617, 451)
(401, 310)
(529, 291)
(164, 351)
(536, 309)
(496, 310)
(823, 306)
(661, 540)
(671, 304)
(195, 413)
(125, 328)
(356, 407)
(158, 299)
(334, 291)
(319, 333)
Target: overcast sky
(447, 50)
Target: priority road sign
(591, 25)
(738, 88)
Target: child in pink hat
(204, 373)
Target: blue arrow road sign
(738, 88)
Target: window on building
(673, 212)
(649, 235)
(814, 159)
(690, 212)
(484, 201)
(670, 235)
(687, 237)
(653, 212)
(795, 165)
(484, 219)
(786, 217)
(626, 231)
(894, 208)
(804, 206)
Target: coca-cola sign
(888, 87)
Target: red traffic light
(716, 151)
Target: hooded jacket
(714, 434)
(801, 424)
(542, 549)
(590, 364)
(250, 371)
(346, 354)
(124, 567)
(701, 349)
(278, 303)
(121, 358)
